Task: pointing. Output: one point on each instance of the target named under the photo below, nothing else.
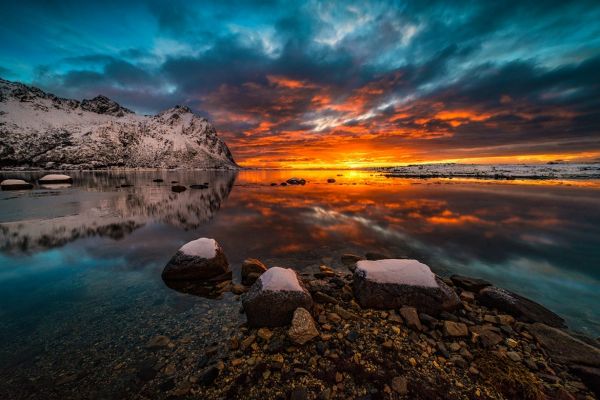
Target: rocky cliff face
(40, 130)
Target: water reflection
(101, 204)
(541, 239)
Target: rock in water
(393, 283)
(201, 259)
(15, 184)
(178, 188)
(520, 307)
(563, 347)
(251, 270)
(303, 327)
(274, 297)
(56, 178)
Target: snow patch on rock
(280, 279)
(397, 271)
(203, 247)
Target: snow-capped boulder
(15, 184)
(55, 178)
(518, 306)
(40, 130)
(393, 283)
(274, 297)
(200, 260)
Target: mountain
(41, 130)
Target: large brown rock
(393, 283)
(251, 270)
(274, 297)
(199, 260)
(563, 347)
(518, 306)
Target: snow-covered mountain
(40, 130)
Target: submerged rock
(296, 181)
(251, 270)
(15, 184)
(520, 307)
(393, 283)
(274, 297)
(303, 327)
(330, 180)
(55, 178)
(201, 259)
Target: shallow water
(80, 286)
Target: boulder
(199, 260)
(303, 327)
(563, 347)
(518, 306)
(393, 283)
(55, 178)
(251, 270)
(273, 298)
(15, 184)
(330, 180)
(468, 283)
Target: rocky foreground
(318, 337)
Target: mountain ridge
(41, 130)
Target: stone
(15, 184)
(247, 342)
(157, 342)
(199, 260)
(330, 180)
(274, 297)
(251, 270)
(296, 181)
(208, 376)
(468, 283)
(345, 314)
(350, 260)
(466, 296)
(265, 334)
(303, 327)
(564, 348)
(518, 306)
(400, 385)
(55, 178)
(486, 335)
(410, 316)
(178, 188)
(393, 283)
(238, 289)
(514, 356)
(455, 329)
(323, 298)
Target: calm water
(80, 266)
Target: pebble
(400, 385)
(409, 314)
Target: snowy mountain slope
(38, 129)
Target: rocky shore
(318, 336)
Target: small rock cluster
(314, 337)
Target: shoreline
(474, 352)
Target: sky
(333, 84)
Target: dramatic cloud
(323, 84)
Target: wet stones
(330, 180)
(199, 260)
(274, 297)
(55, 178)
(303, 327)
(393, 283)
(520, 307)
(15, 184)
(455, 329)
(251, 270)
(296, 181)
